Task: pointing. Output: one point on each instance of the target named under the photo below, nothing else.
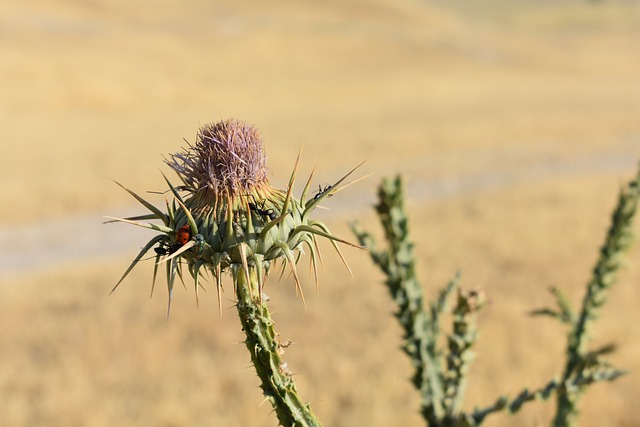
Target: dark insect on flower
(267, 213)
(164, 250)
(323, 191)
(198, 248)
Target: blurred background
(513, 123)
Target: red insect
(183, 235)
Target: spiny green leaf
(146, 204)
(135, 261)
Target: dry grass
(527, 120)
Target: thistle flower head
(226, 216)
(227, 160)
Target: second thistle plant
(440, 375)
(226, 217)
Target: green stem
(461, 342)
(398, 264)
(603, 278)
(277, 382)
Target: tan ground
(513, 125)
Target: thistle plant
(226, 217)
(441, 371)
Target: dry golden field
(514, 126)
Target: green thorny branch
(266, 354)
(440, 378)
(584, 367)
(442, 388)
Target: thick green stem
(277, 382)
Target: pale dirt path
(83, 238)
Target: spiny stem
(460, 355)
(398, 264)
(603, 278)
(277, 382)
